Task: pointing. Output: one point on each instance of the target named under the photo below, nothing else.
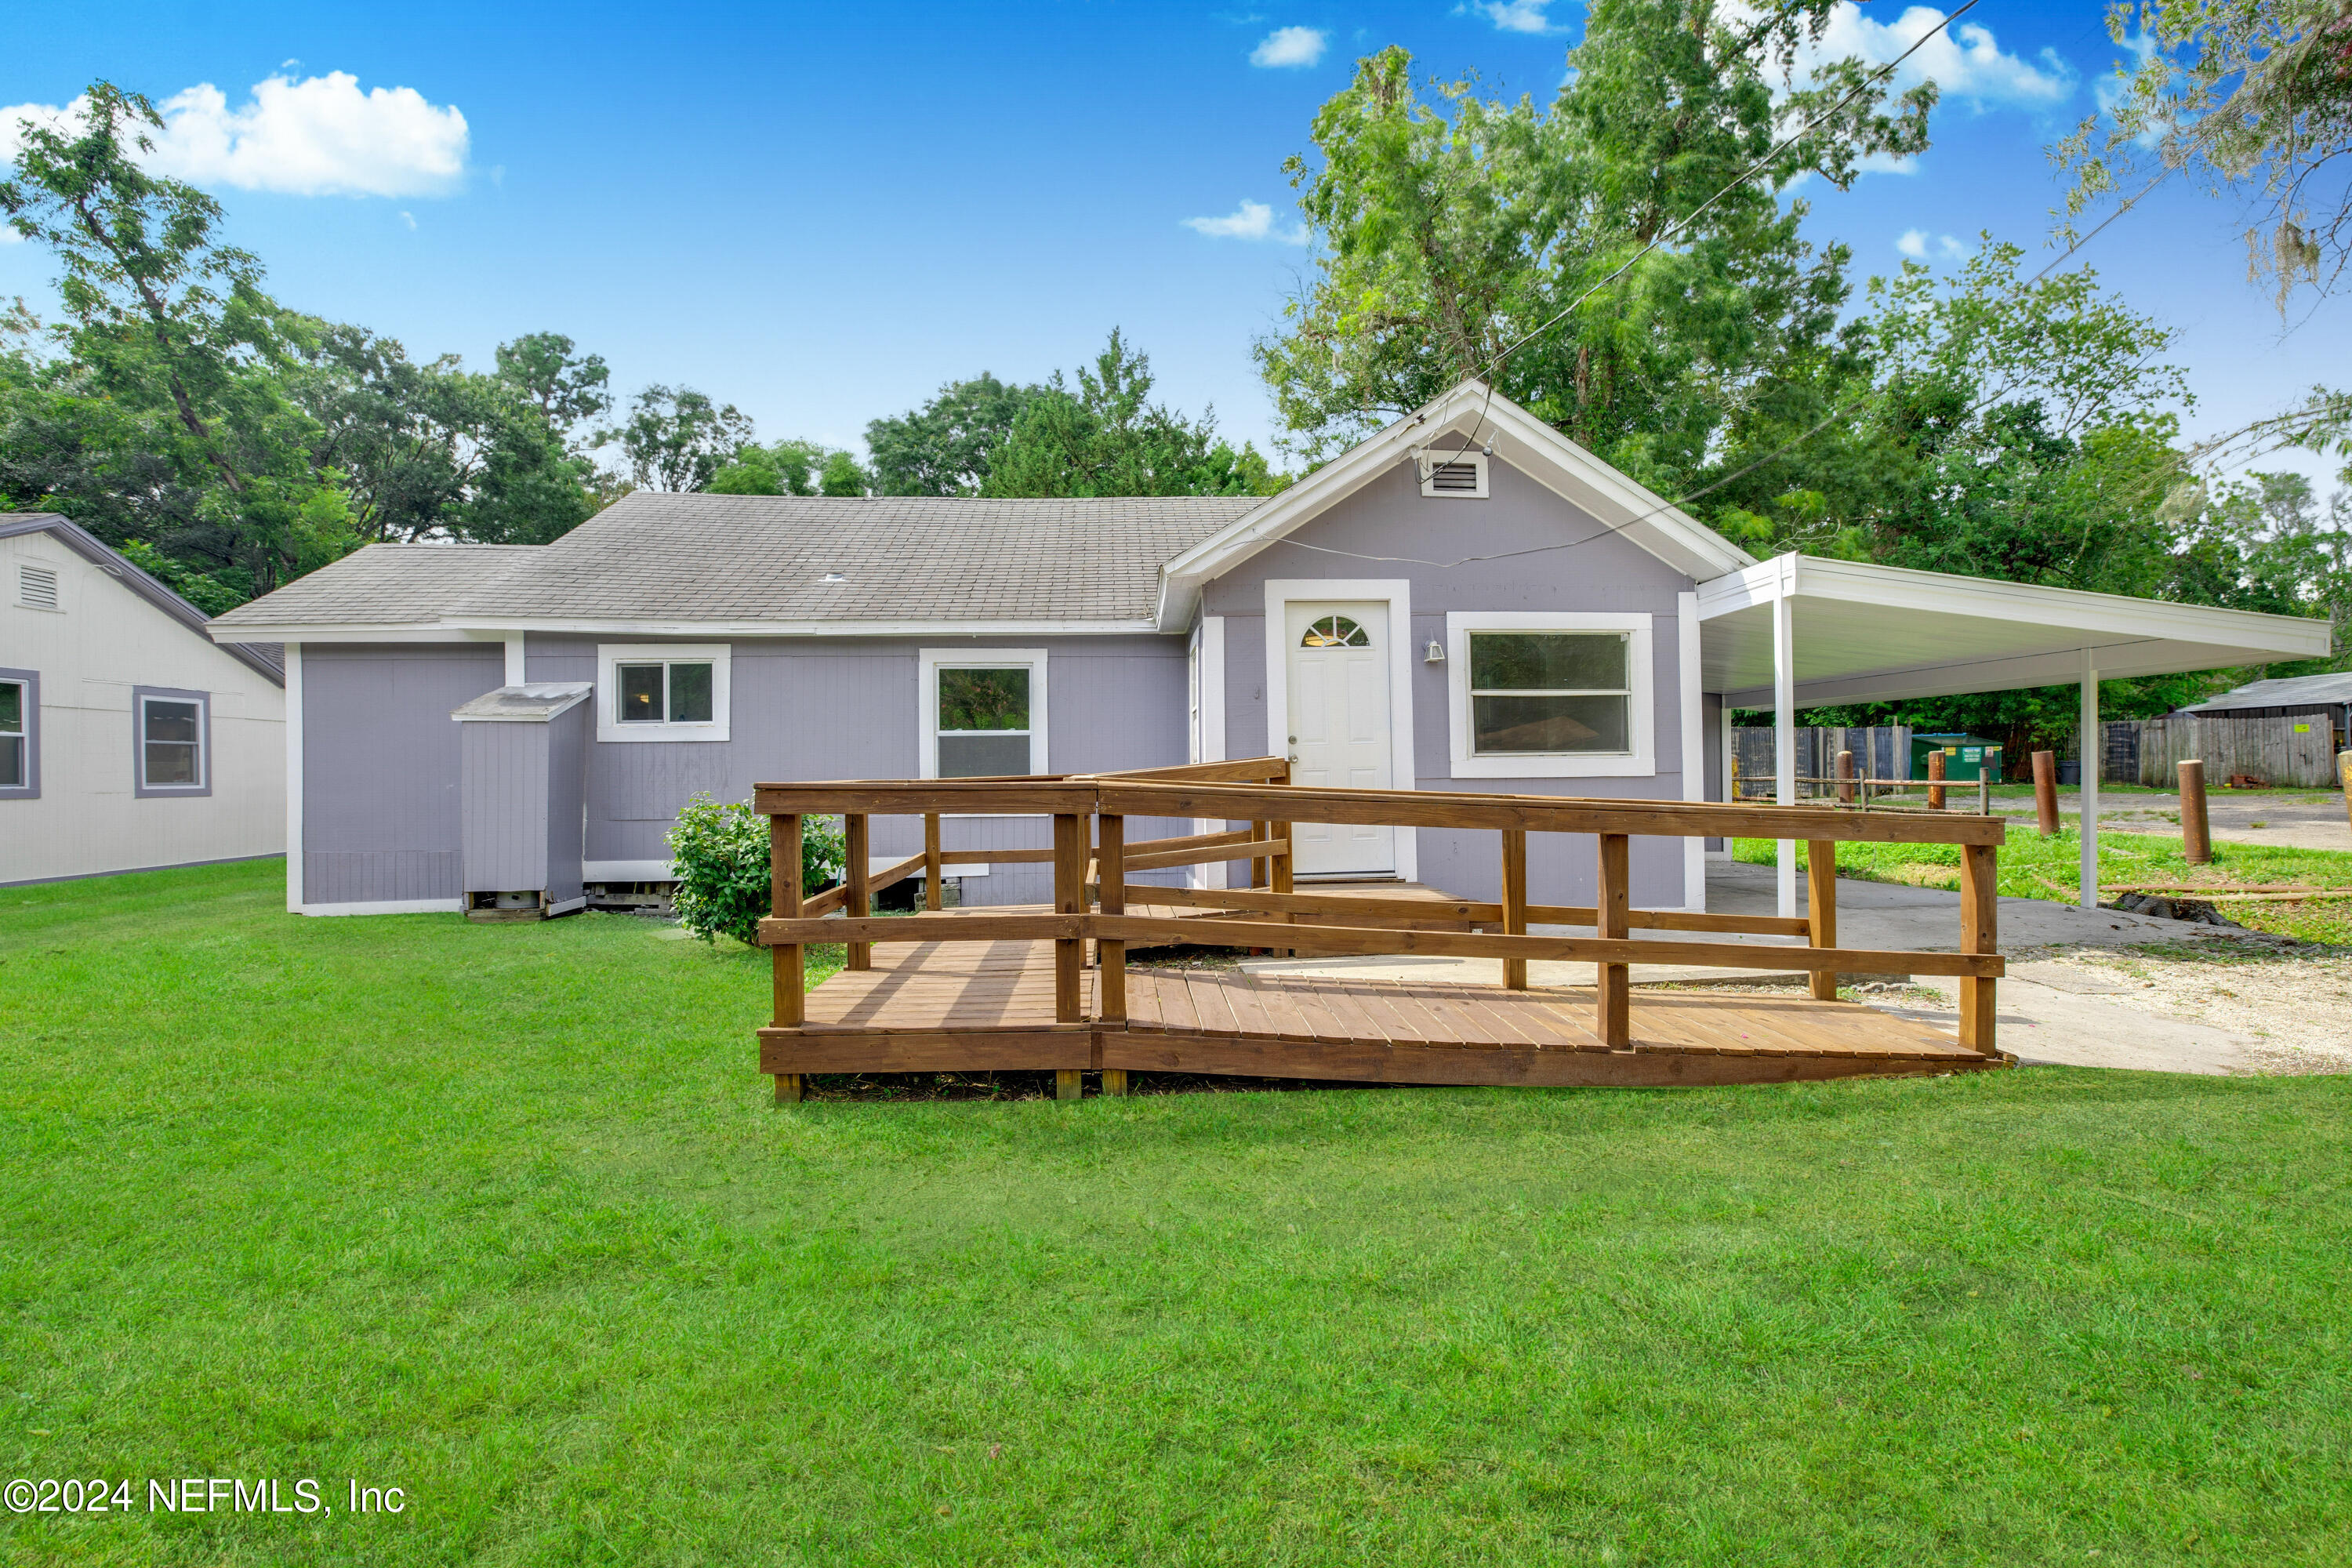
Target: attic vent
(1458, 475)
(36, 587)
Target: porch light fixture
(1435, 654)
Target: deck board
(981, 1005)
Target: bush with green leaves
(721, 853)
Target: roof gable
(265, 657)
(1471, 410)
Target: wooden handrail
(1091, 872)
(1617, 952)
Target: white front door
(1340, 728)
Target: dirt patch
(2297, 1007)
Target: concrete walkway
(2048, 1012)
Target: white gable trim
(1519, 439)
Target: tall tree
(677, 439)
(1104, 436)
(1656, 307)
(943, 447)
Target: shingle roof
(2282, 691)
(658, 556)
(382, 584)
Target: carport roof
(1883, 634)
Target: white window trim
(1640, 761)
(1397, 593)
(203, 704)
(1433, 458)
(719, 655)
(927, 697)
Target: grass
(500, 1216)
(2033, 866)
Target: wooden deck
(941, 1006)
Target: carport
(1798, 631)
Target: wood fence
(1880, 752)
(2294, 753)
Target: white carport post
(2092, 749)
(1784, 723)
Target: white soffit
(1885, 634)
(1519, 439)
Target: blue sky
(820, 214)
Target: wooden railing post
(1278, 871)
(1515, 903)
(1613, 913)
(1069, 956)
(933, 895)
(857, 877)
(784, 902)
(1821, 910)
(1979, 932)
(1261, 871)
(1110, 952)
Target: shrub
(721, 853)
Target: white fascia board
(499, 630)
(2075, 610)
(1529, 444)
(2062, 666)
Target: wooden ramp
(964, 1007)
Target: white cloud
(1965, 61)
(410, 220)
(1250, 220)
(1916, 244)
(317, 137)
(1513, 15)
(1290, 46)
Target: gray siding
(1599, 571)
(567, 798)
(504, 782)
(381, 765)
(847, 708)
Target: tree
(1105, 438)
(844, 477)
(790, 469)
(2246, 95)
(569, 388)
(1459, 229)
(170, 326)
(943, 447)
(678, 439)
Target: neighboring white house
(129, 738)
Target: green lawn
(2033, 866)
(501, 1215)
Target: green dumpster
(1966, 757)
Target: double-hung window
(20, 777)
(983, 712)
(1550, 695)
(662, 692)
(172, 735)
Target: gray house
(1466, 601)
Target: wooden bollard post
(2046, 791)
(1846, 778)
(1936, 780)
(2195, 837)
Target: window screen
(14, 763)
(983, 722)
(1550, 693)
(170, 747)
